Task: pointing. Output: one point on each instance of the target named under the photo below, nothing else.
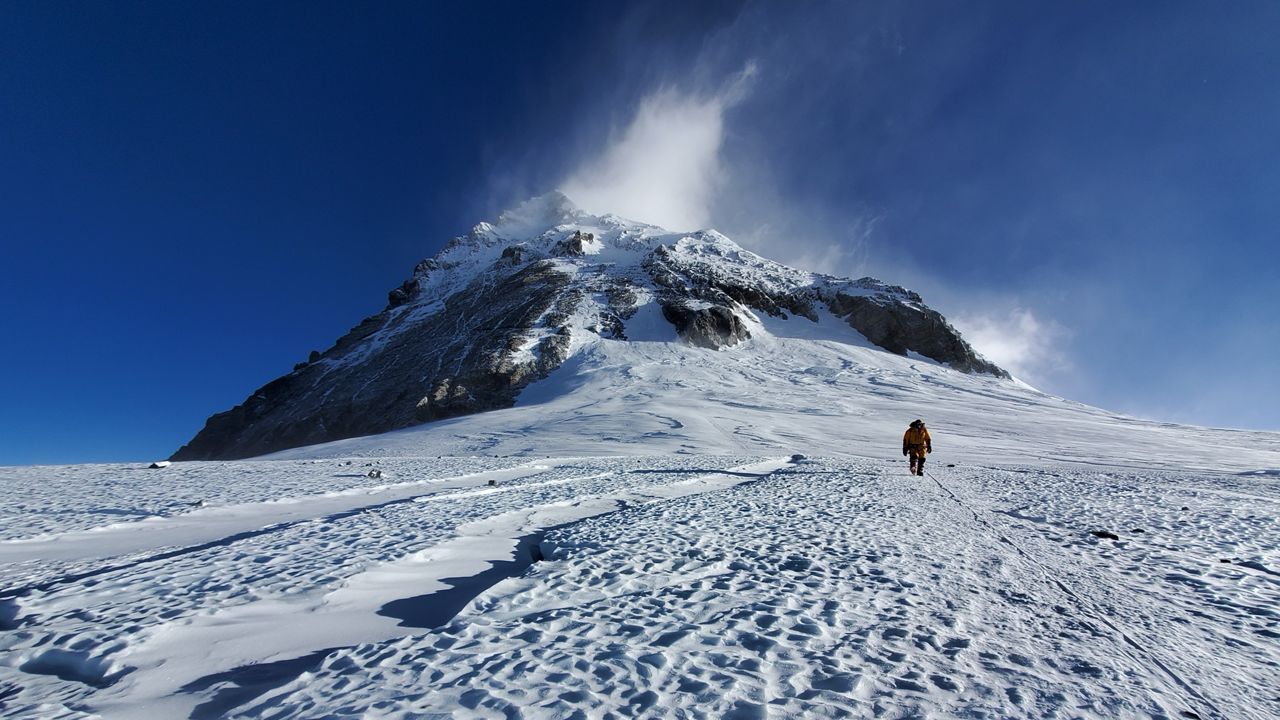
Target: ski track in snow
(672, 586)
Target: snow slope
(659, 530)
(688, 564)
(800, 386)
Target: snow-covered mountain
(707, 519)
(514, 300)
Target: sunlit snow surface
(689, 565)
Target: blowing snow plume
(1019, 342)
(665, 167)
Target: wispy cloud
(665, 166)
(1018, 341)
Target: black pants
(917, 454)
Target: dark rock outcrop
(714, 326)
(892, 317)
(394, 370)
(515, 255)
(900, 327)
(402, 294)
(575, 245)
(714, 281)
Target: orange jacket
(915, 438)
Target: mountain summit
(511, 301)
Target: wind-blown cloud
(893, 140)
(665, 166)
(1017, 341)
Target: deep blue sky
(194, 196)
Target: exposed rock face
(397, 368)
(515, 255)
(576, 244)
(903, 326)
(509, 302)
(723, 276)
(714, 326)
(706, 276)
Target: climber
(916, 444)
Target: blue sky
(197, 195)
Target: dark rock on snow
(714, 326)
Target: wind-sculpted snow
(838, 589)
(61, 499)
(665, 586)
(120, 620)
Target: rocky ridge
(511, 301)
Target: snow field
(690, 570)
(1197, 553)
(132, 630)
(61, 498)
(832, 589)
(688, 586)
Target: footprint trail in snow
(674, 586)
